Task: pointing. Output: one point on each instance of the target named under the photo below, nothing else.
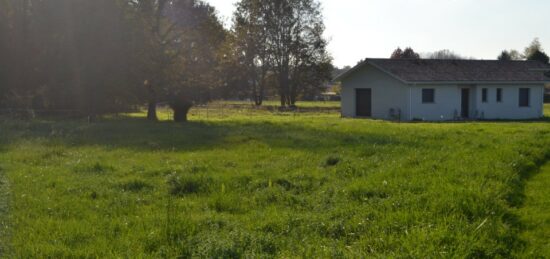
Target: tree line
(533, 52)
(106, 56)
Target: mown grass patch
(268, 186)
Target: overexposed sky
(358, 29)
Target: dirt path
(536, 215)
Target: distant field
(280, 185)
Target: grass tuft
(189, 184)
(332, 160)
(135, 185)
(94, 168)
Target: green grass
(536, 215)
(284, 185)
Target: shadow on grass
(516, 198)
(140, 134)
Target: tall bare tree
(295, 42)
(250, 44)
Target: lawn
(270, 185)
(536, 215)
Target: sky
(357, 29)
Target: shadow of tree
(139, 134)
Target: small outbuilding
(442, 90)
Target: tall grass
(309, 185)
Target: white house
(435, 90)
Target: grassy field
(536, 215)
(285, 185)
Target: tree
(535, 52)
(97, 56)
(510, 55)
(250, 45)
(505, 56)
(199, 71)
(294, 42)
(539, 55)
(532, 48)
(515, 55)
(444, 54)
(408, 53)
(65, 55)
(179, 57)
(397, 54)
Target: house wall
(387, 93)
(509, 107)
(391, 93)
(447, 103)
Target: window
(428, 95)
(499, 95)
(524, 97)
(484, 92)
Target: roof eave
(344, 75)
(362, 64)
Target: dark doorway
(465, 113)
(364, 102)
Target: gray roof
(432, 70)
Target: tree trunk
(152, 111)
(181, 108)
(292, 96)
(255, 92)
(262, 87)
(152, 105)
(180, 115)
(283, 99)
(283, 87)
